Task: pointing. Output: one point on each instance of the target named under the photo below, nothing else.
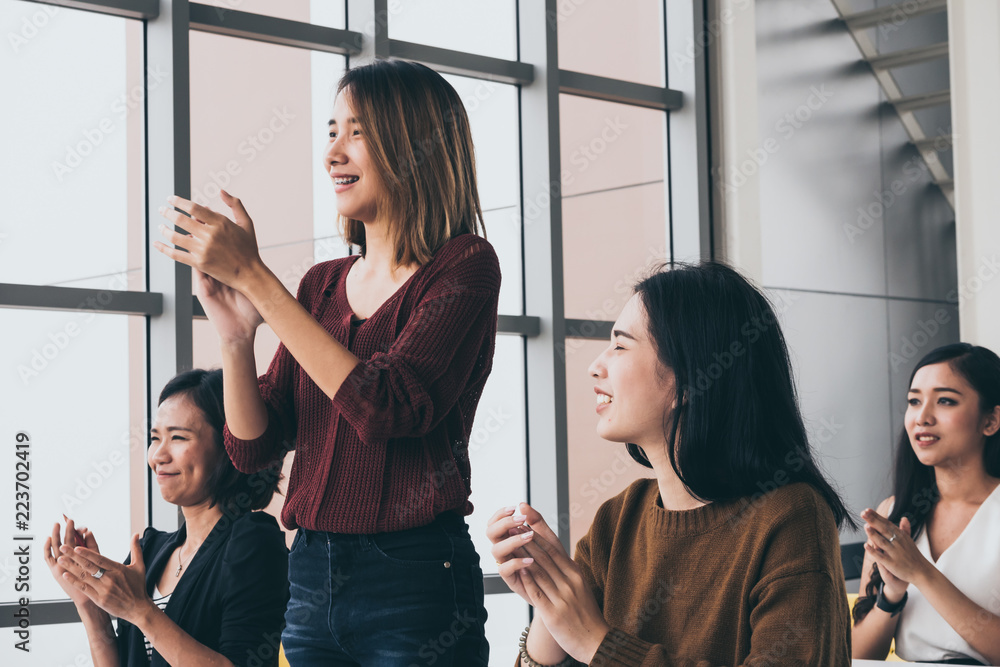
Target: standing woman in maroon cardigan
(382, 362)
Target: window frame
(170, 308)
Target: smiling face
(944, 420)
(347, 162)
(182, 452)
(634, 389)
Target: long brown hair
(419, 140)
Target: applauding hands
(899, 560)
(534, 564)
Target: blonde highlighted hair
(420, 142)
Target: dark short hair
(737, 427)
(236, 492)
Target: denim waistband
(449, 521)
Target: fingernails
(519, 518)
(527, 536)
(527, 561)
(509, 508)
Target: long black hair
(914, 484)
(736, 429)
(235, 492)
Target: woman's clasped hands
(120, 590)
(534, 564)
(899, 560)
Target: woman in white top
(931, 576)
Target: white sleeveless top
(972, 564)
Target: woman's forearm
(872, 636)
(101, 637)
(978, 626)
(321, 356)
(175, 645)
(541, 646)
(246, 414)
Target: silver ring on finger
(100, 573)
(892, 539)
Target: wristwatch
(887, 606)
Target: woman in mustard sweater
(730, 555)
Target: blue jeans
(412, 598)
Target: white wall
(860, 272)
(975, 100)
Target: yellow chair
(282, 661)
(892, 657)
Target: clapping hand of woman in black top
(100, 632)
(120, 589)
(52, 551)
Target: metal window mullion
(619, 91)
(548, 465)
(128, 9)
(273, 30)
(168, 141)
(589, 329)
(107, 301)
(687, 150)
(370, 18)
(463, 64)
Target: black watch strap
(887, 606)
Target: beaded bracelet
(523, 645)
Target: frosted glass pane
(615, 221)
(75, 383)
(493, 115)
(634, 30)
(611, 240)
(329, 13)
(506, 620)
(503, 230)
(484, 27)
(62, 645)
(258, 129)
(73, 167)
(497, 444)
(607, 145)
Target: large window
(123, 103)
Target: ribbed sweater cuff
(620, 649)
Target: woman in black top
(213, 592)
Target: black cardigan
(231, 598)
